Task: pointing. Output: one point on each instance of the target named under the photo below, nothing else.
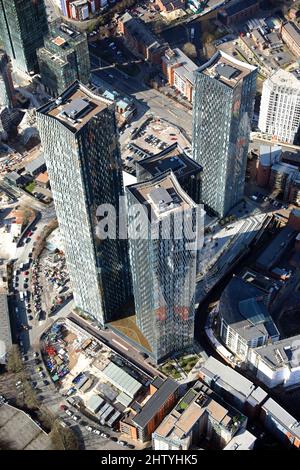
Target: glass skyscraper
(23, 24)
(80, 143)
(223, 106)
(63, 59)
(162, 224)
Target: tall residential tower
(23, 24)
(280, 107)
(223, 106)
(80, 140)
(63, 59)
(163, 235)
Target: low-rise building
(200, 414)
(276, 249)
(277, 364)
(238, 11)
(268, 155)
(245, 322)
(168, 6)
(179, 71)
(42, 180)
(291, 36)
(141, 41)
(143, 417)
(232, 386)
(36, 166)
(243, 440)
(284, 426)
(5, 328)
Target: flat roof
(121, 379)
(276, 248)
(172, 158)
(161, 196)
(5, 328)
(279, 413)
(75, 107)
(229, 376)
(154, 404)
(243, 440)
(242, 307)
(20, 431)
(284, 79)
(240, 5)
(285, 352)
(36, 163)
(293, 31)
(226, 69)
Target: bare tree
(190, 50)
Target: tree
(14, 360)
(63, 438)
(190, 50)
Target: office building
(278, 421)
(201, 415)
(237, 11)
(280, 107)
(245, 322)
(7, 93)
(291, 36)
(63, 59)
(80, 144)
(232, 386)
(23, 25)
(145, 415)
(179, 71)
(163, 252)
(223, 107)
(140, 39)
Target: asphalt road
(147, 99)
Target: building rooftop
(276, 248)
(140, 31)
(279, 413)
(35, 164)
(220, 372)
(42, 177)
(237, 6)
(120, 378)
(20, 431)
(242, 307)
(75, 106)
(172, 158)
(185, 67)
(243, 440)
(161, 196)
(283, 352)
(197, 402)
(285, 168)
(226, 69)
(293, 31)
(284, 79)
(269, 154)
(5, 329)
(155, 402)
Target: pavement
(148, 101)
